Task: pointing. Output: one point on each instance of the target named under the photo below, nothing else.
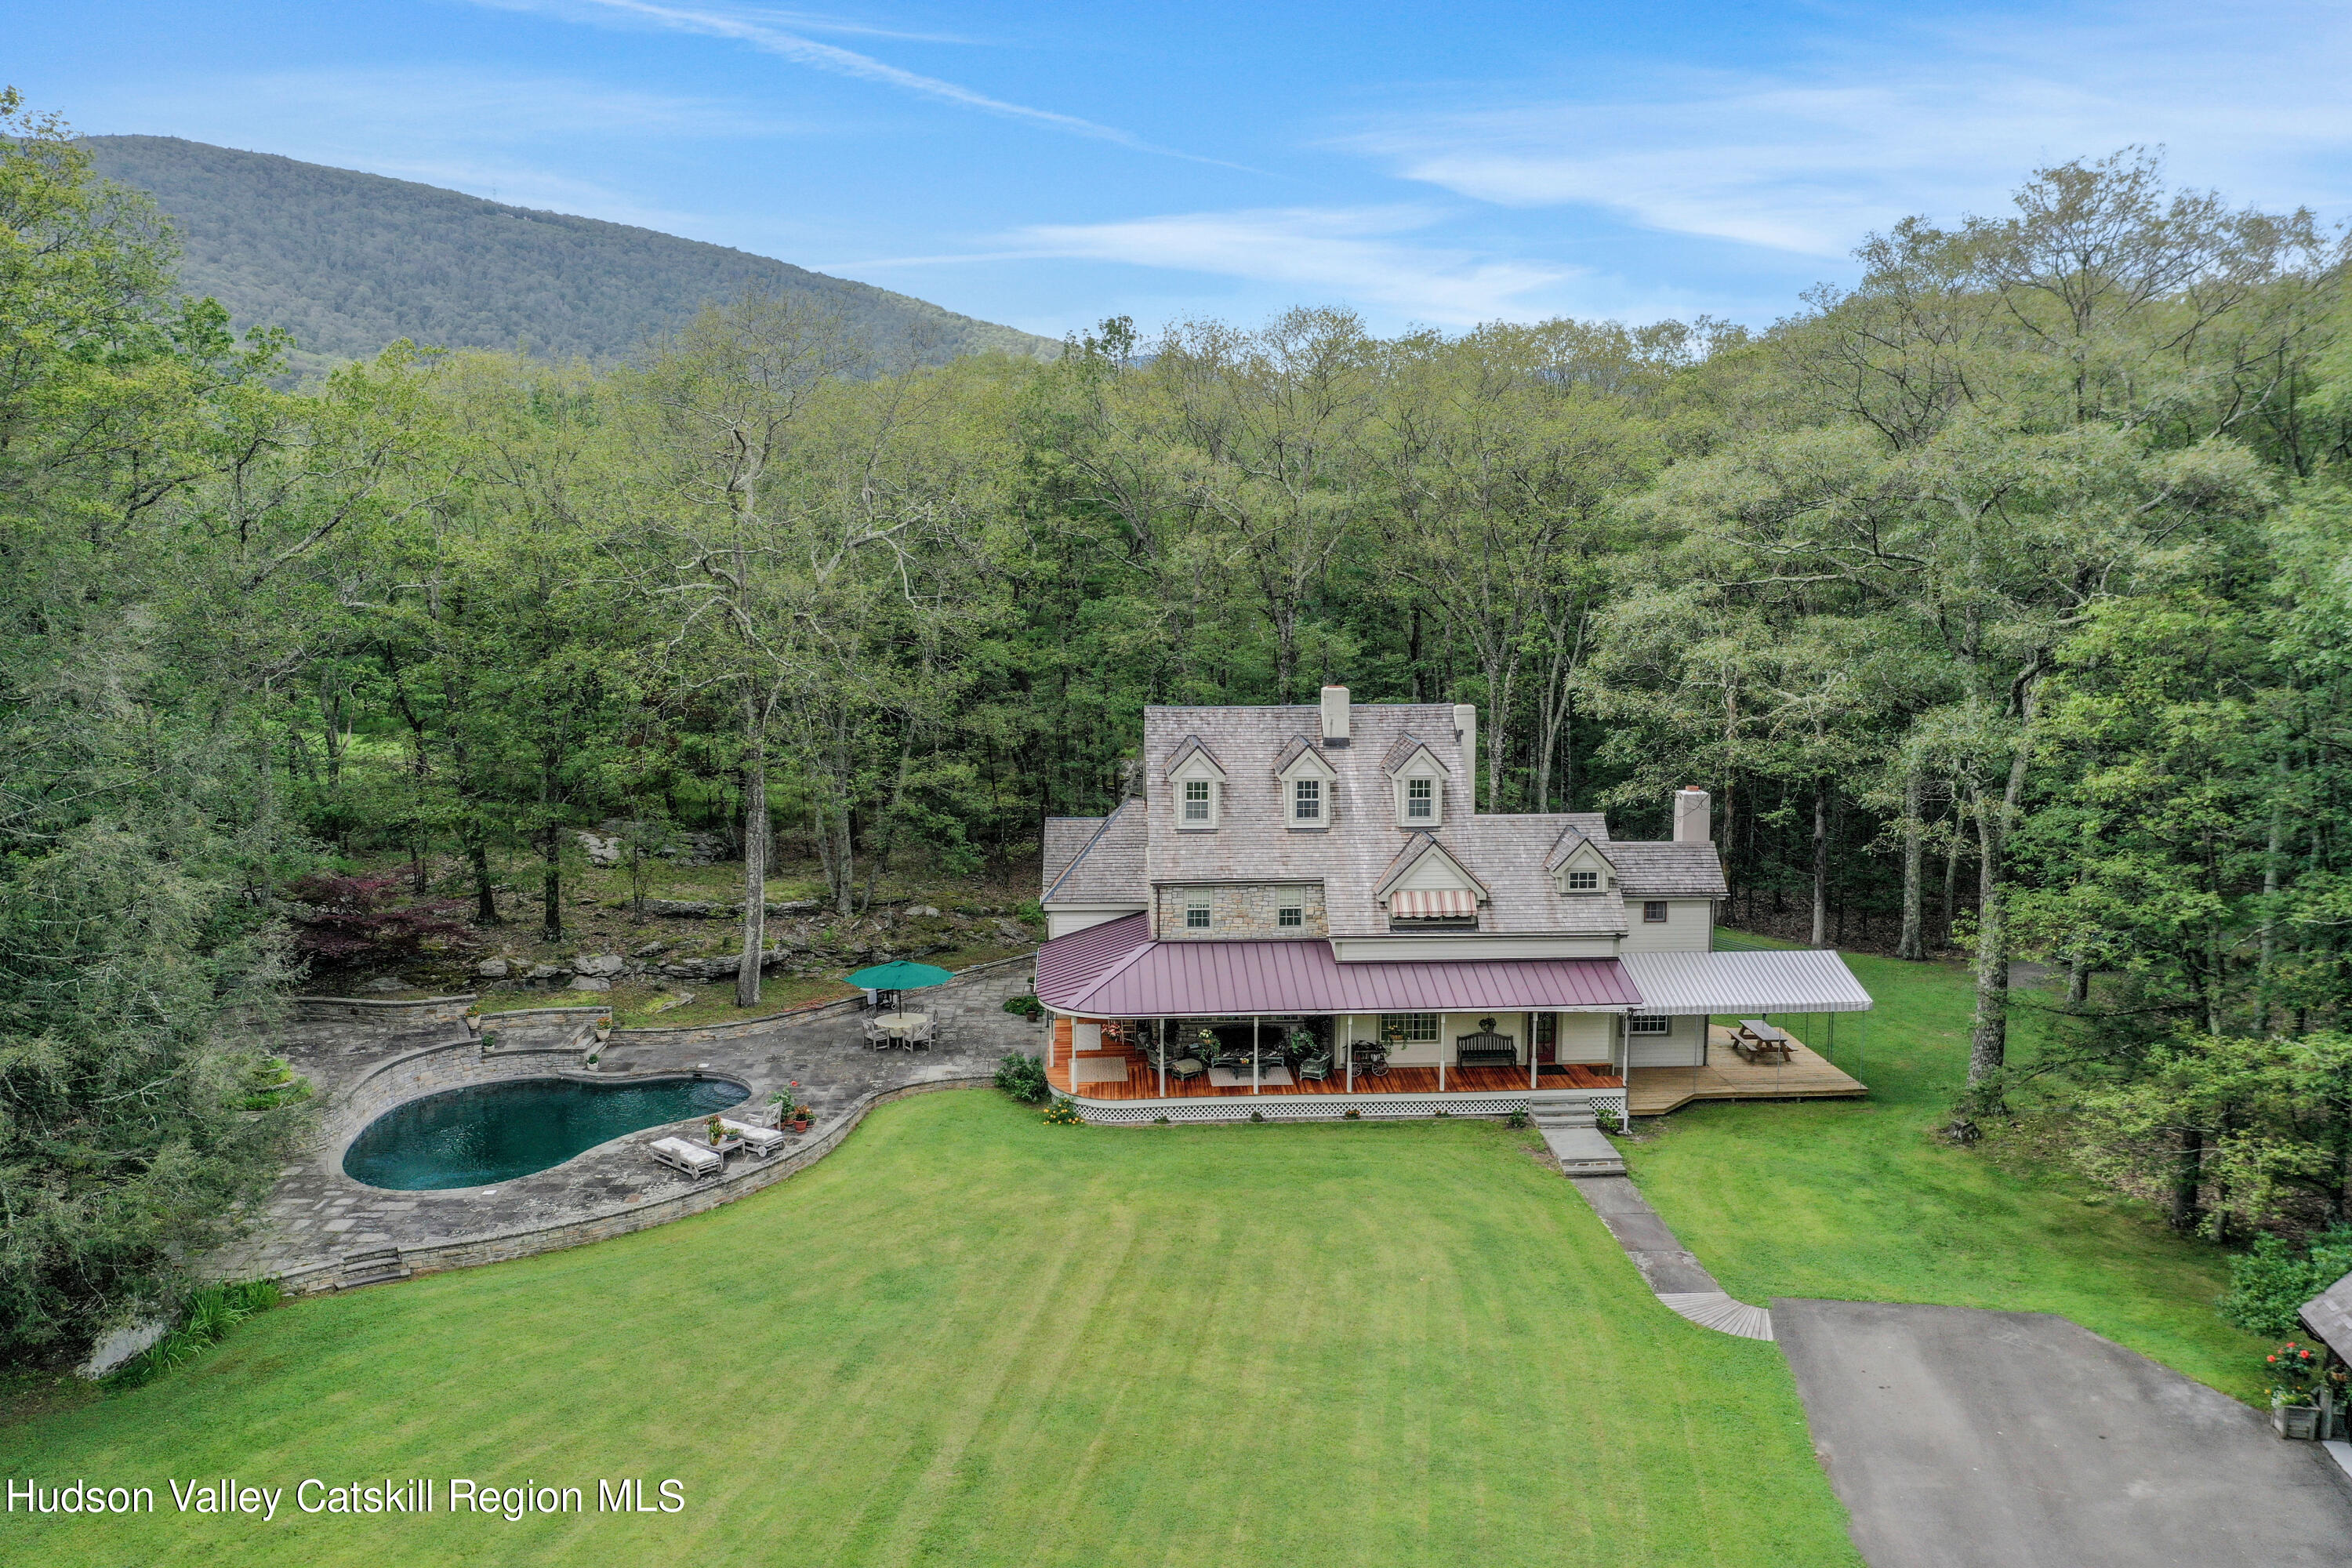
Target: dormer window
(1420, 800)
(1584, 881)
(1307, 802)
(1309, 787)
(1199, 806)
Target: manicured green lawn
(968, 1338)
(1859, 1201)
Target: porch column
(1160, 1037)
(1254, 1028)
(1349, 1048)
(1532, 1068)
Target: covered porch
(1134, 1061)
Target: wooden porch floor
(1653, 1091)
(1143, 1083)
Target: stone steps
(1577, 1143)
(378, 1266)
(1721, 1311)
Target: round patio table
(901, 1023)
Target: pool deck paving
(319, 1228)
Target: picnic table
(1758, 1041)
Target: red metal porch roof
(1122, 973)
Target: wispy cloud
(757, 31)
(1940, 121)
(1355, 255)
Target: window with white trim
(1413, 1029)
(1196, 911)
(1307, 801)
(1419, 799)
(1654, 911)
(1290, 915)
(1648, 1023)
(1584, 881)
(1198, 804)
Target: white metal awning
(1747, 984)
(1433, 905)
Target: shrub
(1352, 1114)
(1257, 1116)
(2297, 1371)
(1518, 1119)
(347, 918)
(1161, 1119)
(211, 1312)
(2269, 1282)
(1022, 1078)
(1063, 1112)
(1027, 1006)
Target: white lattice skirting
(1335, 1107)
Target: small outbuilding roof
(1801, 981)
(2329, 1315)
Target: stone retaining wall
(393, 1014)
(711, 1034)
(749, 1176)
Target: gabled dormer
(1310, 787)
(1197, 787)
(1579, 868)
(1426, 888)
(1418, 778)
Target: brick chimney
(1335, 716)
(1692, 808)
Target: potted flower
(717, 1133)
(790, 1111)
(2296, 1375)
(603, 1029)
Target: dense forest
(349, 263)
(2001, 598)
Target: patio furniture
(1756, 1040)
(762, 1141)
(1485, 1048)
(1314, 1070)
(1371, 1061)
(1183, 1070)
(1269, 1076)
(905, 1029)
(686, 1158)
(923, 1035)
(876, 1037)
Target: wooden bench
(1486, 1050)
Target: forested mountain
(348, 262)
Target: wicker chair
(1314, 1069)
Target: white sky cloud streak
(1353, 254)
(1940, 121)
(751, 30)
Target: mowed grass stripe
(970, 1338)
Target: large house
(1300, 911)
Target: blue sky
(1048, 164)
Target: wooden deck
(1143, 1083)
(1653, 1091)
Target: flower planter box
(2296, 1420)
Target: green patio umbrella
(901, 975)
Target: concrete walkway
(1674, 1276)
(1958, 1438)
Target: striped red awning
(1450, 902)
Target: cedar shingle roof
(1109, 869)
(1512, 857)
(1064, 836)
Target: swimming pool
(496, 1131)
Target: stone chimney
(1465, 729)
(1692, 808)
(1335, 716)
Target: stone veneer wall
(526, 1241)
(1244, 909)
(710, 1033)
(425, 1010)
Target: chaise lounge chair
(684, 1157)
(761, 1141)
